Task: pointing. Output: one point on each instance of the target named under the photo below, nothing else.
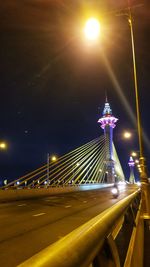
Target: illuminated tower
(131, 165)
(108, 124)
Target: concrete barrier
(9, 195)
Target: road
(26, 227)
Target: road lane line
(68, 206)
(22, 205)
(39, 214)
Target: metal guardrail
(83, 246)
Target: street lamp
(53, 159)
(3, 145)
(142, 160)
(133, 154)
(91, 31)
(127, 135)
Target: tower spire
(131, 165)
(106, 99)
(107, 122)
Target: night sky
(53, 84)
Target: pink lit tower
(131, 165)
(108, 124)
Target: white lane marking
(84, 201)
(68, 206)
(22, 205)
(39, 214)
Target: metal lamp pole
(143, 174)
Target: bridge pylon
(131, 165)
(108, 123)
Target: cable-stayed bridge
(94, 162)
(85, 164)
(112, 238)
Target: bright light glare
(3, 145)
(92, 29)
(53, 158)
(127, 135)
(133, 154)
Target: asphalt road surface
(26, 227)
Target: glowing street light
(53, 158)
(92, 29)
(127, 135)
(142, 160)
(133, 154)
(3, 145)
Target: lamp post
(143, 174)
(142, 158)
(50, 159)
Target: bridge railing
(109, 239)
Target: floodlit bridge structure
(114, 238)
(94, 162)
(83, 165)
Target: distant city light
(136, 161)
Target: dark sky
(52, 84)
